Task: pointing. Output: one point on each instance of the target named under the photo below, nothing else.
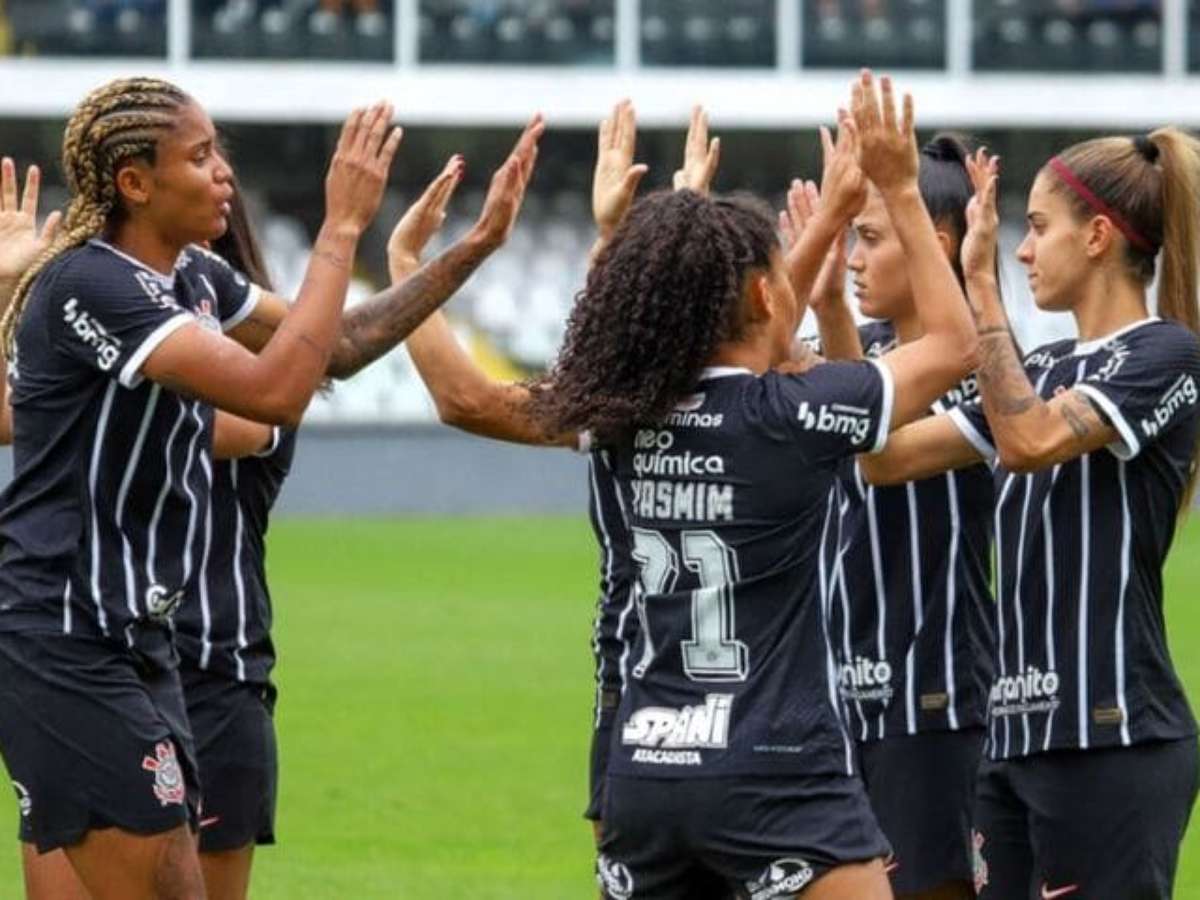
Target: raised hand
(978, 251)
(506, 192)
(616, 177)
(359, 169)
(700, 155)
(422, 220)
(887, 147)
(843, 184)
(21, 241)
(803, 201)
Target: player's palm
(887, 146)
(506, 192)
(700, 156)
(421, 221)
(21, 241)
(983, 219)
(616, 178)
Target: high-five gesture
(887, 147)
(983, 220)
(617, 177)
(506, 192)
(21, 241)
(803, 201)
(421, 221)
(700, 156)
(359, 169)
(843, 184)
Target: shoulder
(201, 260)
(1048, 355)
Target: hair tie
(1099, 206)
(1146, 147)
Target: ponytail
(1178, 156)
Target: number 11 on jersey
(712, 653)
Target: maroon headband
(1099, 206)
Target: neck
(908, 328)
(738, 354)
(146, 245)
(1109, 303)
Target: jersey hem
(131, 375)
(972, 434)
(1129, 446)
(253, 296)
(885, 406)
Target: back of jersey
(727, 503)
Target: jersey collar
(1083, 348)
(165, 280)
(710, 372)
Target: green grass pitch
(435, 688)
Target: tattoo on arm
(376, 326)
(1006, 385)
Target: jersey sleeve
(235, 294)
(107, 321)
(835, 409)
(1147, 384)
(969, 419)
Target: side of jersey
(102, 520)
(1081, 647)
(225, 626)
(727, 502)
(911, 603)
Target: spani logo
(782, 878)
(614, 878)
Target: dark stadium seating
(289, 29)
(894, 34)
(557, 32)
(737, 33)
(88, 27)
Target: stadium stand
(894, 34)
(359, 30)
(87, 27)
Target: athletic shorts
(1084, 824)
(239, 768)
(598, 761)
(922, 789)
(92, 739)
(759, 837)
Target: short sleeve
(1146, 382)
(969, 419)
(105, 320)
(236, 296)
(834, 410)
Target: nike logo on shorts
(1048, 894)
(209, 822)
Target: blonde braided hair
(116, 122)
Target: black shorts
(922, 788)
(598, 761)
(239, 767)
(92, 739)
(757, 837)
(1084, 824)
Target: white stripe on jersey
(187, 489)
(98, 442)
(1000, 634)
(123, 494)
(1085, 526)
(202, 577)
(826, 600)
(880, 590)
(239, 583)
(1017, 611)
(951, 587)
(631, 603)
(152, 540)
(1048, 533)
(910, 692)
(1126, 529)
(67, 607)
(608, 566)
(839, 584)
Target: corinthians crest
(168, 776)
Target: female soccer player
(729, 754)
(910, 570)
(1091, 760)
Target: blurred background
(1025, 76)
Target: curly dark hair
(660, 299)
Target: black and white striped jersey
(616, 615)
(224, 625)
(102, 523)
(728, 500)
(909, 570)
(1081, 645)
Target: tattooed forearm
(1006, 388)
(1078, 425)
(376, 326)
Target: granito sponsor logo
(1179, 395)
(1031, 691)
(614, 878)
(782, 878)
(93, 334)
(865, 679)
(702, 726)
(836, 418)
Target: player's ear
(133, 181)
(759, 302)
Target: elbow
(1020, 456)
(458, 410)
(280, 409)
